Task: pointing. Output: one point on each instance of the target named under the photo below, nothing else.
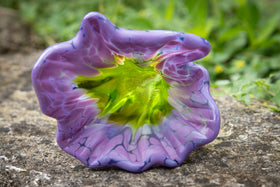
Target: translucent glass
(125, 98)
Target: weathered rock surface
(246, 152)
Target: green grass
(245, 34)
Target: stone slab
(246, 152)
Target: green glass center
(128, 93)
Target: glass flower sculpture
(126, 98)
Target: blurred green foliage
(245, 34)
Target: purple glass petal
(97, 143)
